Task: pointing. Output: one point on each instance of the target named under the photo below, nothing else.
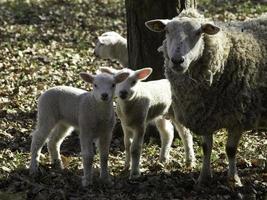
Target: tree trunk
(142, 43)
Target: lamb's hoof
(134, 176)
(57, 164)
(203, 180)
(163, 159)
(234, 181)
(126, 167)
(106, 181)
(190, 165)
(86, 181)
(34, 170)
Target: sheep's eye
(133, 82)
(166, 30)
(95, 85)
(113, 85)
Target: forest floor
(47, 43)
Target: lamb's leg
(127, 144)
(39, 137)
(87, 151)
(205, 174)
(56, 138)
(104, 144)
(187, 140)
(136, 149)
(166, 131)
(231, 149)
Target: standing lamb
(62, 108)
(218, 79)
(138, 104)
(111, 45)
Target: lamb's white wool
(217, 76)
(139, 103)
(62, 108)
(111, 45)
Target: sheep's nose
(177, 61)
(95, 53)
(123, 94)
(104, 96)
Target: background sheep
(61, 108)
(139, 103)
(218, 79)
(111, 45)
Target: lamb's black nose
(177, 61)
(104, 96)
(123, 94)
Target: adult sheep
(218, 78)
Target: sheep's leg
(205, 174)
(104, 144)
(56, 138)
(87, 151)
(136, 149)
(127, 144)
(166, 131)
(231, 149)
(39, 137)
(187, 140)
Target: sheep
(111, 45)
(62, 108)
(139, 103)
(218, 79)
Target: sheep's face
(127, 89)
(184, 44)
(102, 50)
(104, 84)
(183, 39)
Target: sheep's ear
(121, 77)
(157, 25)
(108, 70)
(160, 49)
(144, 73)
(209, 29)
(87, 77)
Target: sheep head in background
(218, 79)
(111, 45)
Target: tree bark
(184, 4)
(142, 43)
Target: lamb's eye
(113, 85)
(95, 85)
(133, 82)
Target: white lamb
(111, 45)
(140, 103)
(62, 108)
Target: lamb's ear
(209, 29)
(87, 77)
(101, 40)
(121, 77)
(157, 25)
(144, 73)
(108, 70)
